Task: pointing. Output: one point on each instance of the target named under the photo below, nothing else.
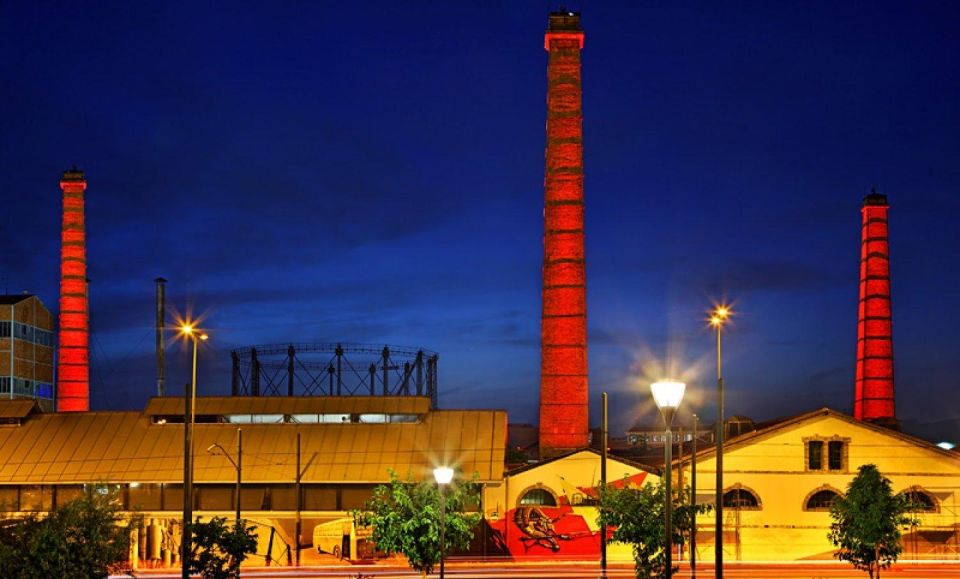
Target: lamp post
(668, 394)
(189, 332)
(719, 317)
(443, 475)
(215, 447)
(693, 499)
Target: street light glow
(668, 393)
(720, 315)
(443, 475)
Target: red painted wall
(563, 327)
(73, 358)
(873, 390)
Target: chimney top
(875, 198)
(564, 21)
(160, 280)
(72, 174)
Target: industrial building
(26, 350)
(310, 460)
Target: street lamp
(443, 476)
(718, 318)
(668, 394)
(217, 449)
(190, 332)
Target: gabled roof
(570, 453)
(772, 427)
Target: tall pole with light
(443, 475)
(668, 394)
(718, 318)
(217, 449)
(693, 498)
(189, 332)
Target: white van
(333, 537)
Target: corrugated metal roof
(81, 447)
(222, 405)
(18, 408)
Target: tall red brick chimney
(873, 390)
(73, 350)
(563, 323)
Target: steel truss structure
(334, 370)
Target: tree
(867, 522)
(86, 537)
(218, 549)
(637, 515)
(405, 516)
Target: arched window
(922, 502)
(740, 498)
(538, 497)
(821, 500)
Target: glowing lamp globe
(443, 475)
(667, 394)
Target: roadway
(825, 570)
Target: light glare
(443, 475)
(668, 393)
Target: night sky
(372, 172)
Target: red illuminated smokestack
(563, 324)
(873, 392)
(73, 351)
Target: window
(9, 498)
(334, 418)
(172, 496)
(821, 500)
(283, 497)
(319, 498)
(36, 498)
(921, 501)
(354, 496)
(67, 493)
(826, 453)
(404, 418)
(253, 498)
(373, 418)
(538, 497)
(44, 390)
(835, 455)
(740, 498)
(147, 497)
(4, 329)
(815, 455)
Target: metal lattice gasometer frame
(330, 369)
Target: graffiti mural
(567, 529)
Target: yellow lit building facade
(779, 481)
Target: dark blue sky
(373, 172)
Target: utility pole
(603, 485)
